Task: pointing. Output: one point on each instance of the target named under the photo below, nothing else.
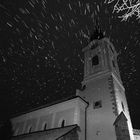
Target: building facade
(104, 91)
(59, 115)
(98, 112)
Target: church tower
(107, 116)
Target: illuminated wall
(136, 134)
(102, 82)
(65, 113)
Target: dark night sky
(40, 50)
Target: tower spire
(97, 32)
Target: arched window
(95, 60)
(45, 126)
(16, 131)
(63, 123)
(30, 129)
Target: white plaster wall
(99, 121)
(68, 110)
(121, 97)
(136, 137)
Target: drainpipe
(86, 120)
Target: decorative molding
(112, 95)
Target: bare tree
(128, 7)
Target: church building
(98, 111)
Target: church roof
(120, 117)
(49, 104)
(51, 134)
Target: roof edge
(47, 105)
(41, 131)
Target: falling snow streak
(41, 42)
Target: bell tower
(100, 57)
(104, 91)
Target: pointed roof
(120, 117)
(49, 104)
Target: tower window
(95, 60)
(94, 46)
(97, 104)
(83, 87)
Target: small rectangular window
(97, 104)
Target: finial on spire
(97, 32)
